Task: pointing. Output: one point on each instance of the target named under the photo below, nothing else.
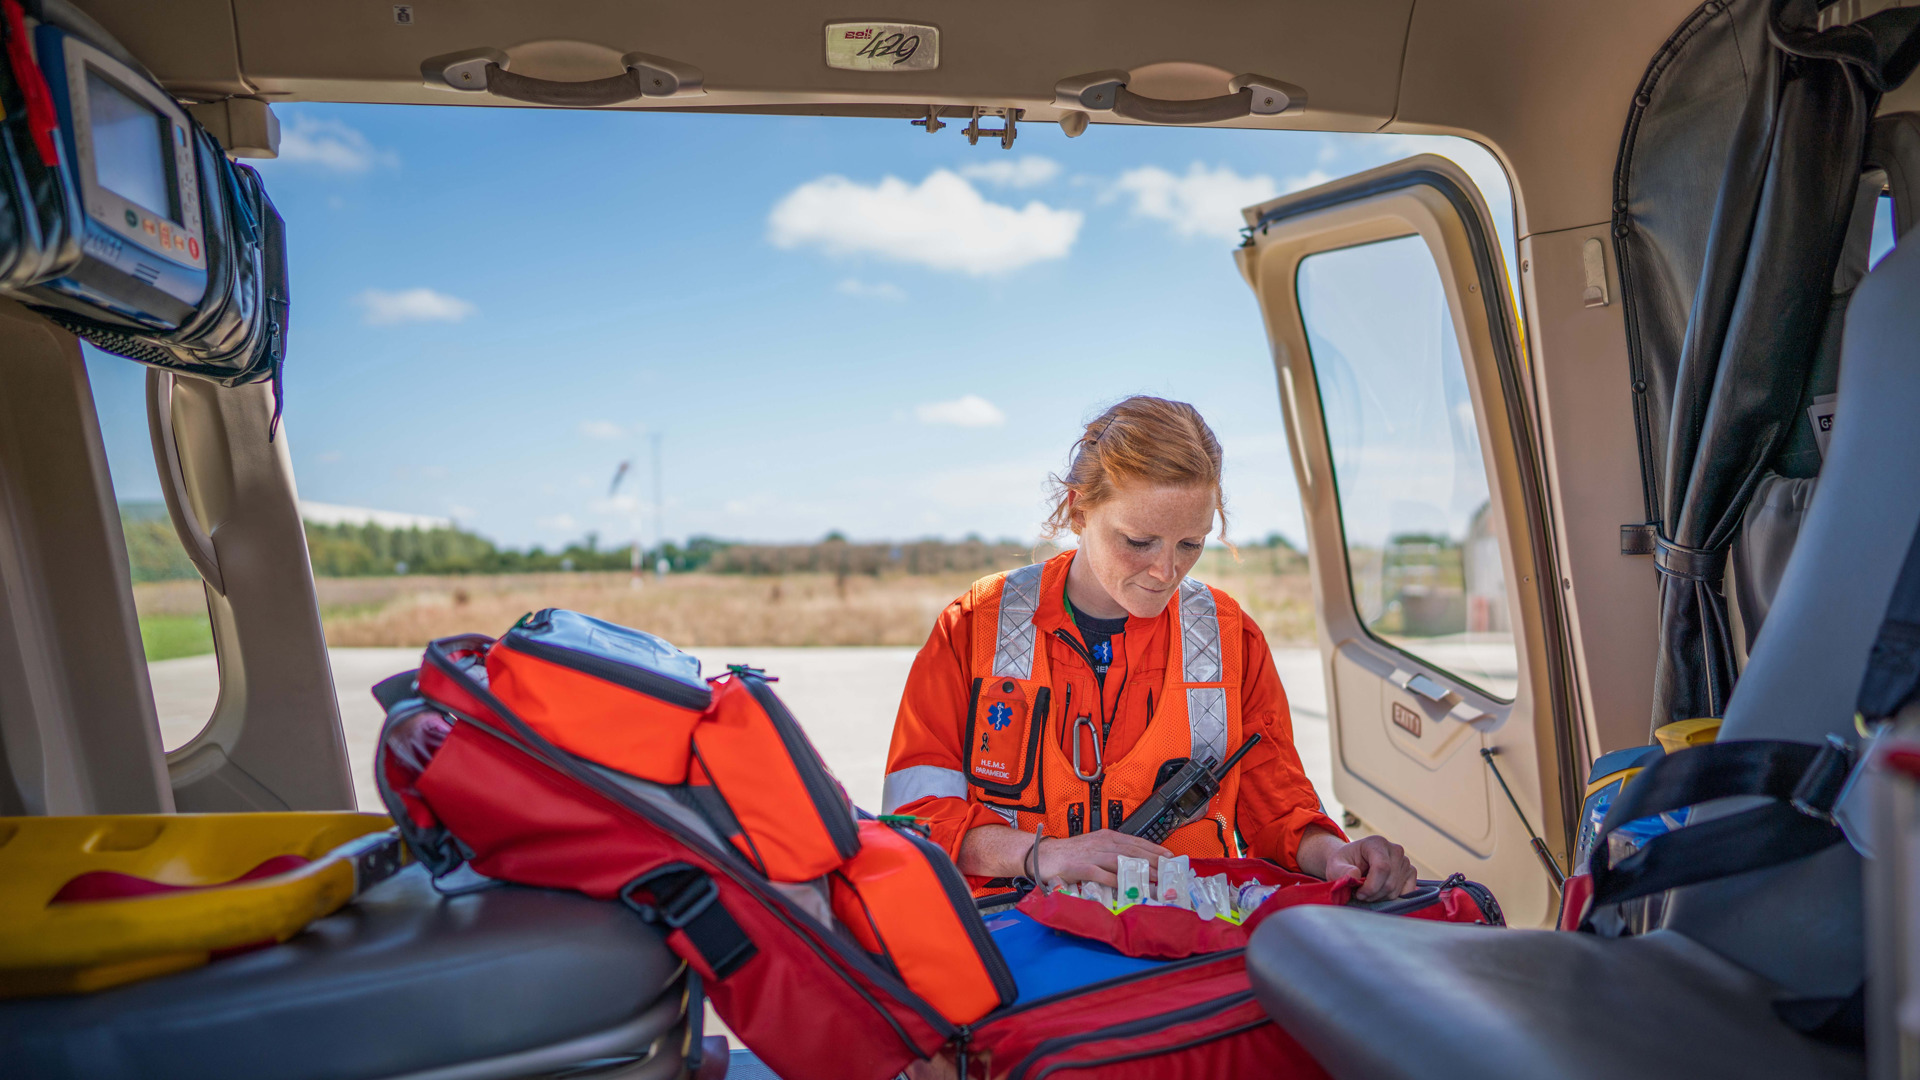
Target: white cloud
(459, 512)
(558, 523)
(882, 290)
(1029, 171)
(602, 429)
(1304, 181)
(1204, 202)
(941, 222)
(330, 144)
(972, 410)
(412, 305)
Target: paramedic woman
(1049, 700)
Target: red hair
(1142, 440)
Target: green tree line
(154, 552)
(343, 550)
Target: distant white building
(330, 514)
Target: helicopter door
(1404, 398)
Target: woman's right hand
(1093, 856)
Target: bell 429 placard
(874, 46)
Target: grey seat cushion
(1380, 997)
(402, 980)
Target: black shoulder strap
(1893, 667)
(1802, 781)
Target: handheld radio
(1183, 795)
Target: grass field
(696, 609)
(166, 637)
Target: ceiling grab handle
(486, 71)
(173, 482)
(1248, 95)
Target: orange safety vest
(1012, 766)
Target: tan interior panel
(78, 734)
(1547, 86)
(1401, 743)
(189, 45)
(770, 54)
(274, 742)
(1587, 431)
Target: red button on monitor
(193, 247)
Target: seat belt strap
(1770, 767)
(686, 899)
(1893, 667)
(1802, 780)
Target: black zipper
(961, 898)
(824, 944)
(1482, 897)
(1131, 1028)
(828, 798)
(1078, 815)
(713, 784)
(1094, 824)
(885, 956)
(651, 683)
(1158, 1051)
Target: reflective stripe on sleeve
(1013, 641)
(919, 781)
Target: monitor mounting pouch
(141, 237)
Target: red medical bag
(879, 961)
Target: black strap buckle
(1826, 777)
(685, 899)
(688, 902)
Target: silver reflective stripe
(1013, 638)
(1206, 722)
(1012, 816)
(1199, 634)
(919, 781)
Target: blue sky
(831, 323)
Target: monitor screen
(131, 153)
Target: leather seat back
(1801, 924)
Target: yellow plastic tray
(65, 948)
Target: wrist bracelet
(1033, 854)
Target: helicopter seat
(402, 984)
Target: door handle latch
(1421, 684)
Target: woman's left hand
(1384, 866)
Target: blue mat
(1045, 962)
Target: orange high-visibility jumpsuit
(1003, 694)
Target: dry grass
(714, 609)
(687, 609)
(1273, 588)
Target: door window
(1422, 544)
